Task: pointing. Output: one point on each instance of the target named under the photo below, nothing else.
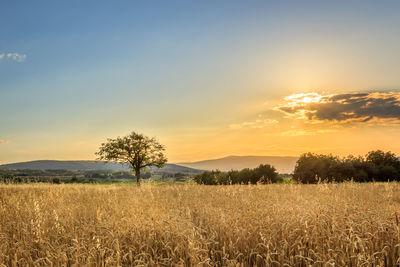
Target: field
(264, 225)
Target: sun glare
(304, 98)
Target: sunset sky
(207, 78)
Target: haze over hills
(87, 165)
(282, 164)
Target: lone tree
(136, 149)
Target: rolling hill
(83, 165)
(282, 164)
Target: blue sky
(184, 71)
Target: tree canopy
(137, 150)
(264, 173)
(374, 166)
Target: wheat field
(185, 225)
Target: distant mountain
(86, 165)
(282, 164)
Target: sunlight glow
(305, 98)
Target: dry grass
(272, 225)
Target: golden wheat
(263, 225)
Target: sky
(207, 78)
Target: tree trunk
(137, 173)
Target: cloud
(257, 124)
(306, 132)
(3, 142)
(13, 56)
(344, 108)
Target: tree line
(65, 176)
(311, 168)
(264, 173)
(374, 166)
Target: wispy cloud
(13, 56)
(306, 132)
(257, 124)
(3, 142)
(345, 108)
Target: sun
(304, 98)
(308, 99)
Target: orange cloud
(306, 132)
(257, 124)
(345, 108)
